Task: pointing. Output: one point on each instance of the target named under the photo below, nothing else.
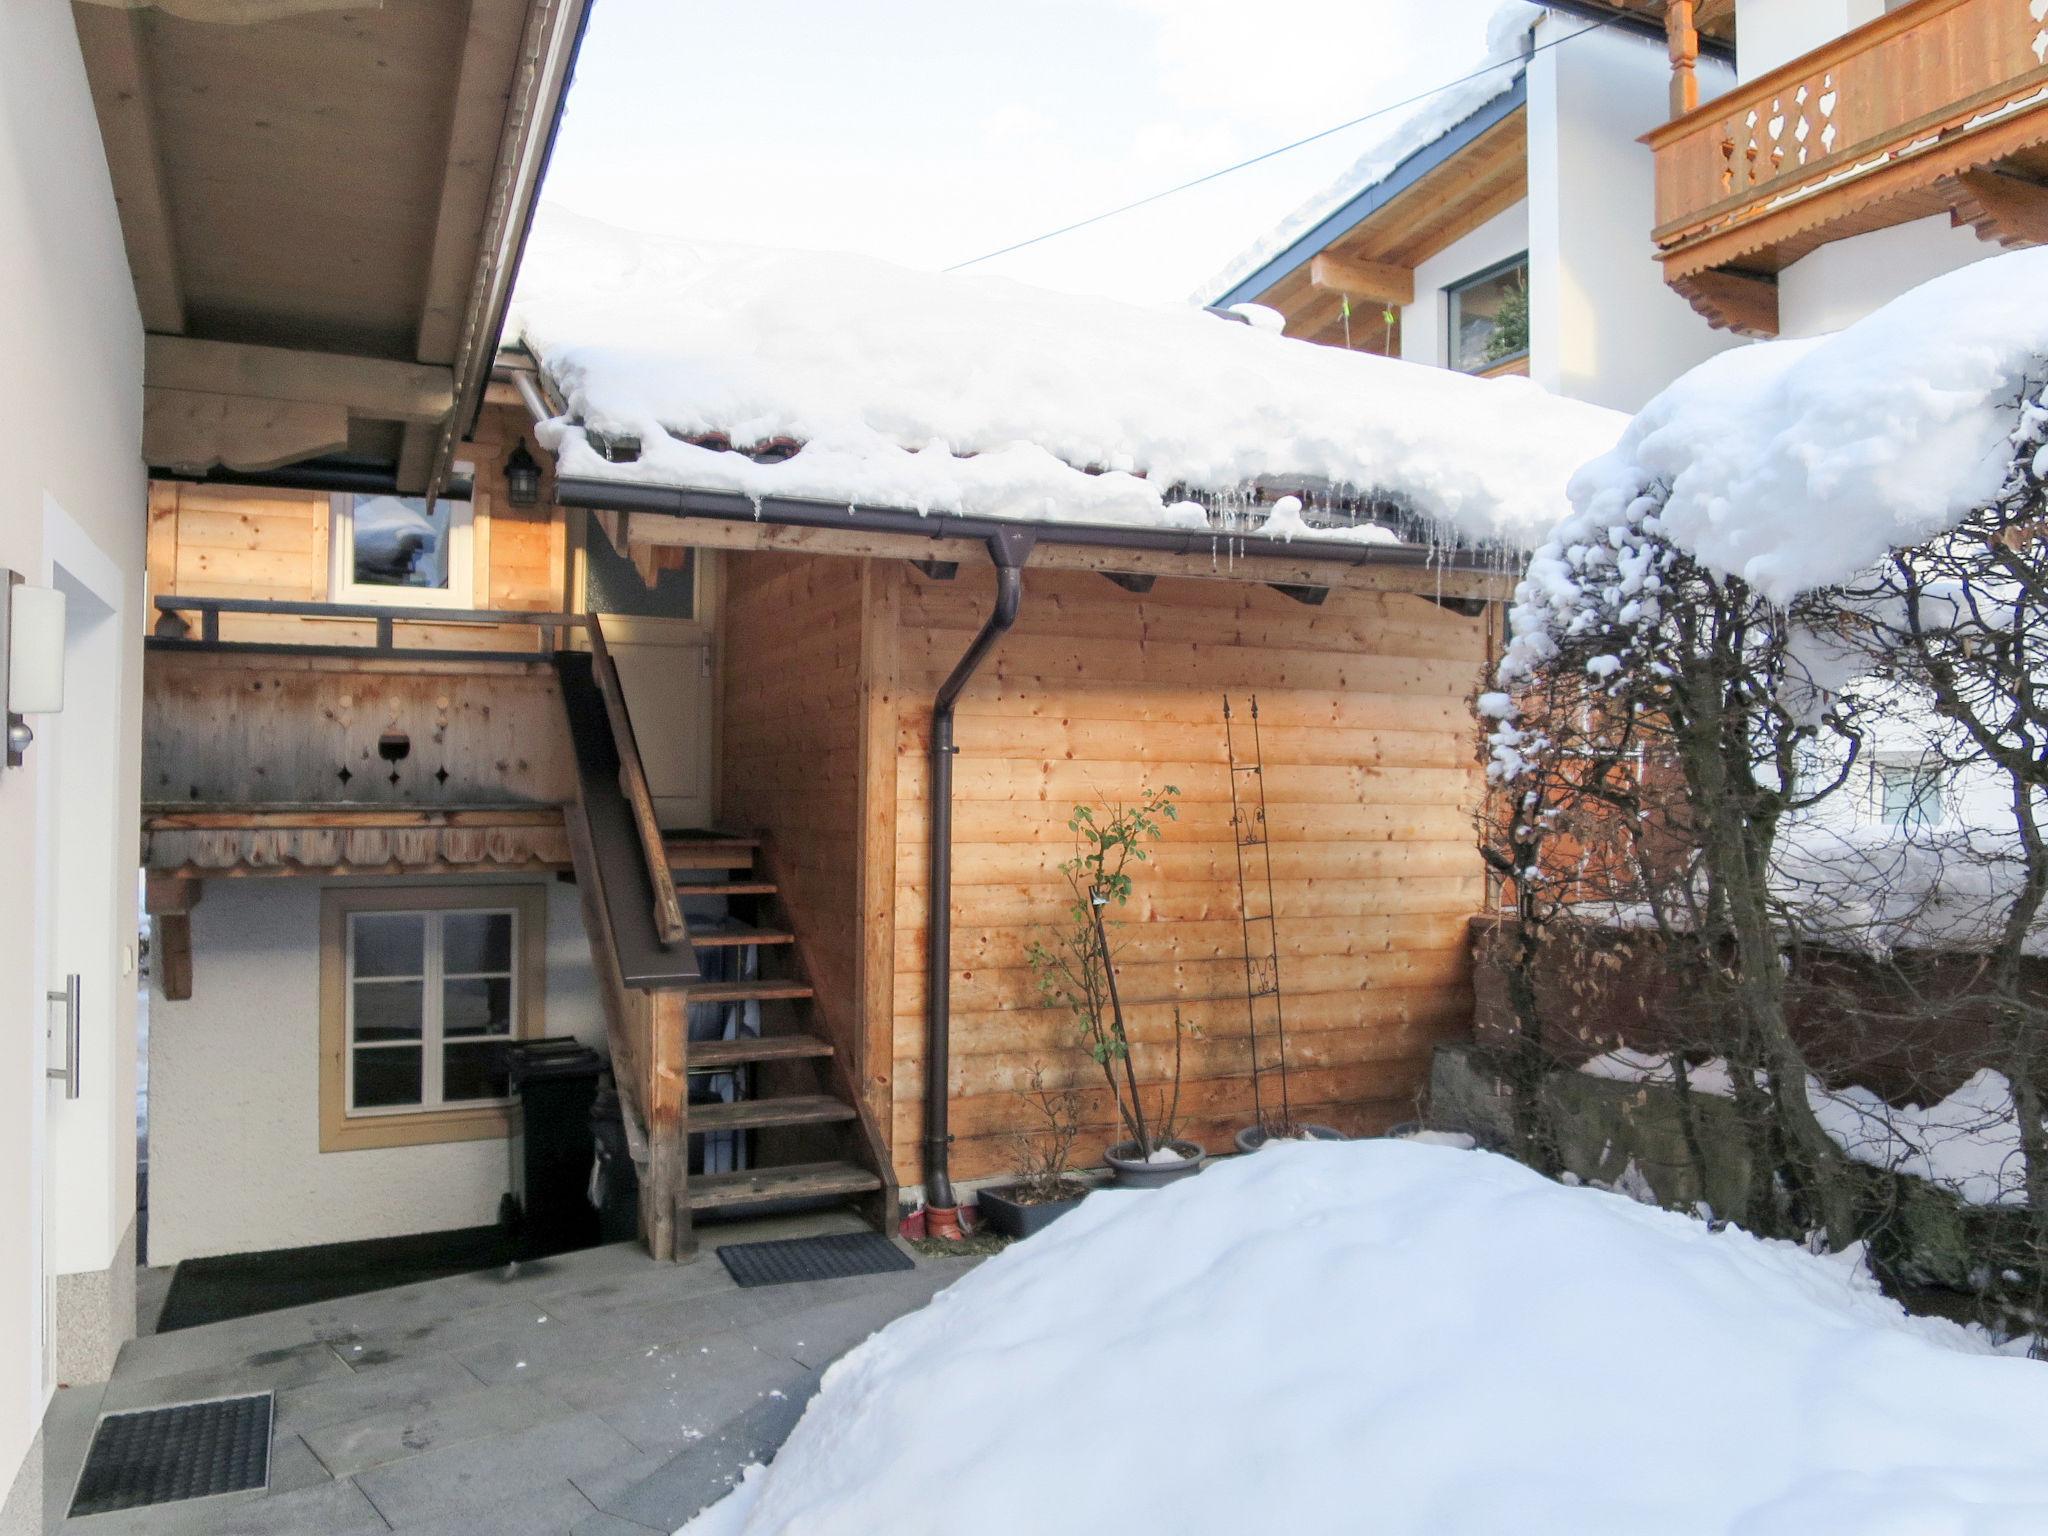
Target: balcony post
(1683, 40)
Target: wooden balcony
(1940, 106)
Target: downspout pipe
(1008, 550)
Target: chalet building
(236, 240)
(1499, 232)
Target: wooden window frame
(341, 1131)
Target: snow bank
(1796, 464)
(1406, 1339)
(980, 395)
(1507, 35)
(1968, 1144)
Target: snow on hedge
(980, 395)
(1414, 1341)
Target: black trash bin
(618, 1180)
(556, 1081)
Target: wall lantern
(31, 658)
(522, 477)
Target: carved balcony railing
(1938, 106)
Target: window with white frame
(432, 1006)
(1906, 791)
(403, 550)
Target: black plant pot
(1133, 1172)
(1251, 1138)
(1015, 1218)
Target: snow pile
(883, 387)
(1878, 887)
(1507, 36)
(1406, 1339)
(1968, 1144)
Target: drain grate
(160, 1455)
(837, 1257)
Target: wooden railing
(668, 909)
(285, 624)
(1939, 85)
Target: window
(403, 551)
(423, 991)
(1906, 792)
(1490, 317)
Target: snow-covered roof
(1413, 148)
(877, 386)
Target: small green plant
(1042, 1157)
(1076, 966)
(1510, 336)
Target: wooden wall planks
(1372, 785)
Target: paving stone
(327, 1509)
(478, 1472)
(67, 1434)
(602, 1524)
(547, 1511)
(357, 1444)
(362, 1394)
(289, 1367)
(294, 1466)
(706, 1473)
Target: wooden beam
(1682, 40)
(371, 387)
(490, 58)
(2007, 210)
(1733, 301)
(1378, 281)
(666, 1205)
(163, 894)
(191, 431)
(172, 956)
(123, 101)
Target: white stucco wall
(234, 1092)
(1773, 32)
(71, 476)
(1425, 324)
(1845, 280)
(1603, 326)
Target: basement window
(1489, 317)
(423, 992)
(403, 550)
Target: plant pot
(1015, 1218)
(1133, 1172)
(1253, 1137)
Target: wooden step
(717, 1055)
(713, 1191)
(759, 1114)
(746, 991)
(727, 888)
(711, 852)
(732, 938)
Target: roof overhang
(323, 207)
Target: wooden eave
(321, 212)
(184, 842)
(1482, 180)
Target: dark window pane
(476, 941)
(401, 542)
(479, 1007)
(475, 1071)
(389, 1010)
(1490, 320)
(390, 943)
(386, 1076)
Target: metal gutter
(791, 512)
(1370, 200)
(1008, 550)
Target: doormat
(242, 1284)
(839, 1256)
(162, 1455)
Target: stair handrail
(669, 922)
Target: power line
(1436, 90)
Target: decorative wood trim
(2006, 210)
(341, 1132)
(1732, 301)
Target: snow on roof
(1409, 1340)
(983, 396)
(1506, 36)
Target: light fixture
(522, 476)
(31, 658)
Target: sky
(928, 133)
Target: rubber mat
(161, 1455)
(836, 1257)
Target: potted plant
(1077, 970)
(1045, 1189)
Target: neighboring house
(234, 241)
(1500, 230)
(1864, 149)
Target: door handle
(69, 1071)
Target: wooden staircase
(797, 1121)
